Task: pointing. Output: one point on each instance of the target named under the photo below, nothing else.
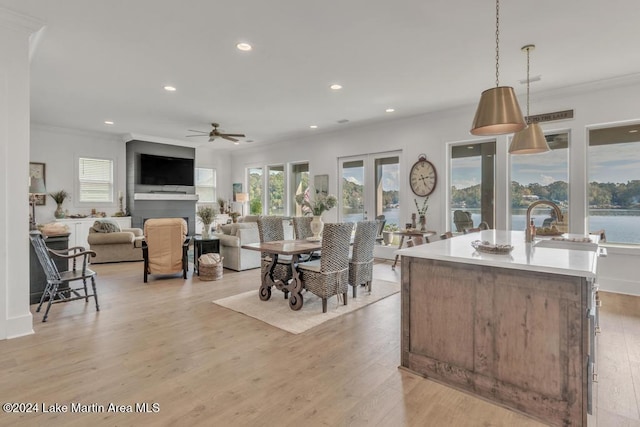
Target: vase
(423, 223)
(316, 226)
(205, 230)
(59, 213)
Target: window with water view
(614, 183)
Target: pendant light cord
(528, 83)
(497, 42)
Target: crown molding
(19, 22)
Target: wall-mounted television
(164, 170)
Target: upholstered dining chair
(329, 275)
(270, 229)
(165, 247)
(361, 261)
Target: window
(387, 188)
(206, 185)
(614, 182)
(95, 178)
(543, 176)
(275, 194)
(472, 184)
(255, 190)
(299, 183)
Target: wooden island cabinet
(514, 328)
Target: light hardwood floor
(165, 342)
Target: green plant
(318, 205)
(206, 214)
(391, 227)
(59, 196)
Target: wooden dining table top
(285, 247)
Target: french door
(369, 186)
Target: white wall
(595, 104)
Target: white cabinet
(79, 228)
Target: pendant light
(498, 111)
(531, 140)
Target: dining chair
(58, 287)
(165, 247)
(329, 275)
(361, 261)
(270, 229)
(380, 222)
(302, 227)
(446, 235)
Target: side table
(410, 233)
(203, 246)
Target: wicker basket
(210, 267)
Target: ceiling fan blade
(225, 136)
(240, 135)
(193, 130)
(190, 136)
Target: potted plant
(316, 206)
(206, 215)
(59, 197)
(387, 233)
(234, 216)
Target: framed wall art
(321, 184)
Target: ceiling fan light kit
(498, 111)
(530, 140)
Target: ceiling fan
(215, 133)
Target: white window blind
(206, 185)
(96, 180)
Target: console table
(37, 278)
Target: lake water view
(620, 225)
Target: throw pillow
(106, 226)
(227, 228)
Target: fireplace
(164, 205)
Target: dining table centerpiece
(316, 206)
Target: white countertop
(524, 256)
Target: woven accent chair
(462, 220)
(165, 247)
(329, 275)
(58, 289)
(302, 227)
(361, 262)
(270, 229)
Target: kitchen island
(514, 328)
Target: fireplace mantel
(165, 196)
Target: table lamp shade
(36, 186)
(242, 197)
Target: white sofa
(232, 237)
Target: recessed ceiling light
(314, 126)
(633, 131)
(389, 110)
(244, 47)
(335, 86)
(470, 147)
(236, 143)
(170, 88)
(108, 122)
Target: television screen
(163, 170)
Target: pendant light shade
(530, 140)
(498, 110)
(498, 113)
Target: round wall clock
(423, 177)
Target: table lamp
(36, 187)
(242, 198)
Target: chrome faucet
(559, 216)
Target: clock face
(423, 178)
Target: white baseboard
(20, 326)
(618, 286)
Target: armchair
(165, 247)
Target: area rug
(276, 310)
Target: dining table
(410, 233)
(278, 248)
